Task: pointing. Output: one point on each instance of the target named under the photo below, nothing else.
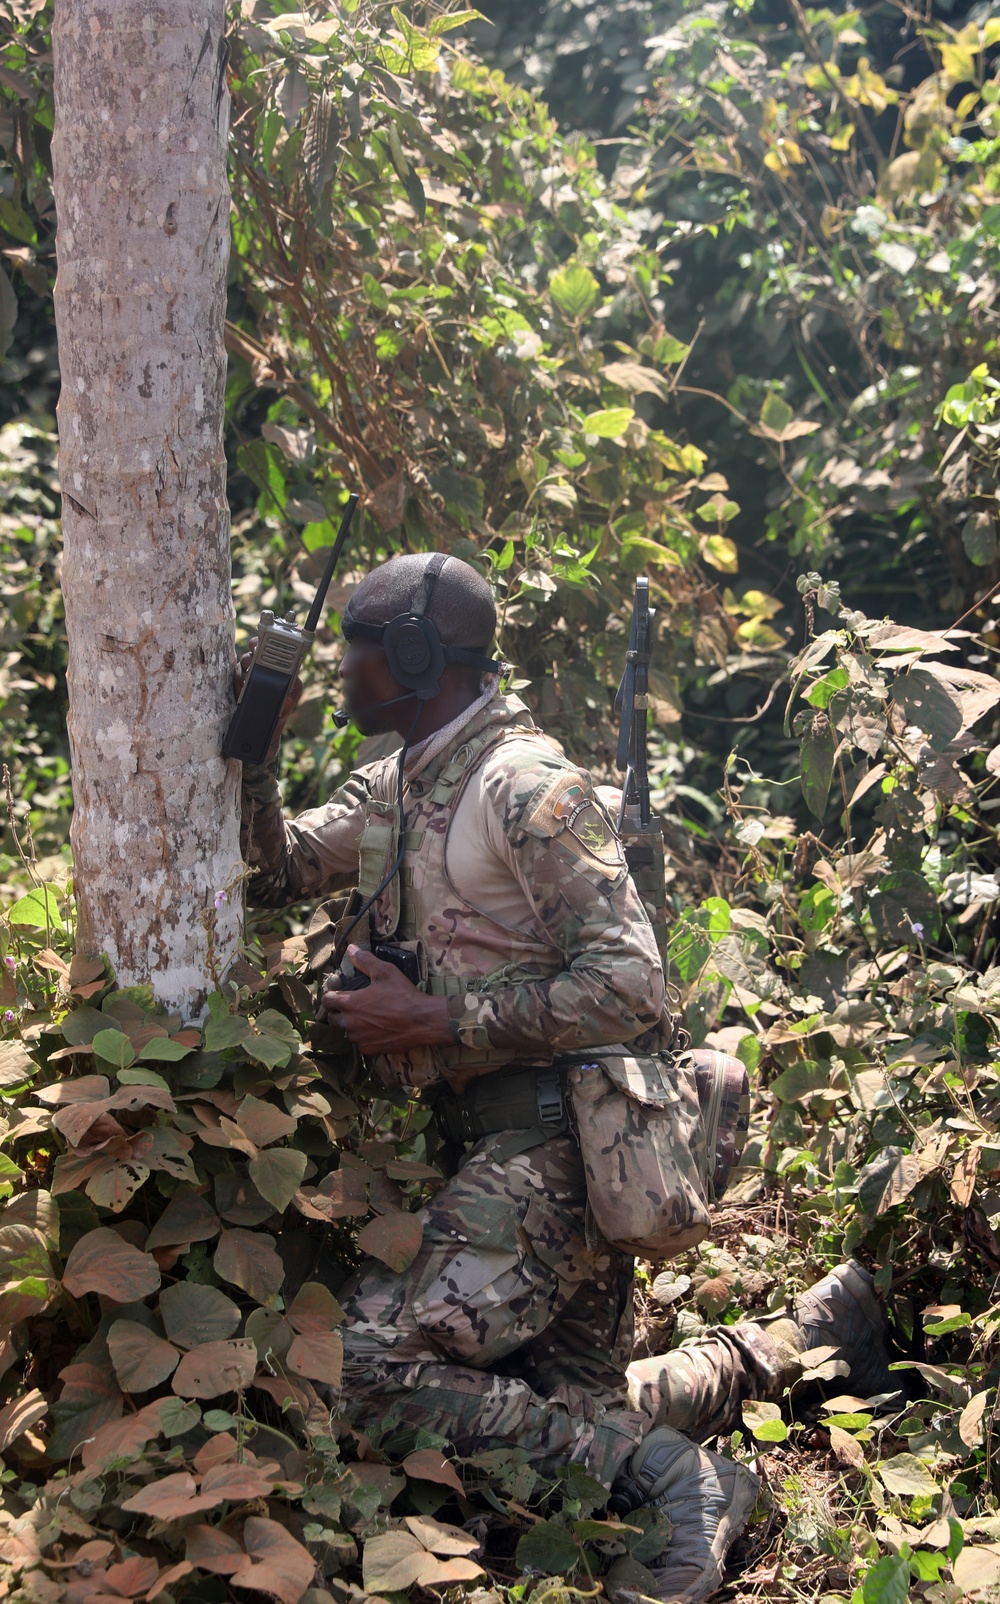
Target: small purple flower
(11, 963)
(220, 899)
(917, 928)
(8, 1016)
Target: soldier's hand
(391, 1014)
(291, 700)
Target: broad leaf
(319, 1357)
(214, 1368)
(194, 1314)
(277, 1174)
(908, 1476)
(103, 1262)
(141, 1359)
(393, 1237)
(276, 1563)
(574, 289)
(610, 423)
(817, 753)
(188, 1217)
(549, 1548)
(248, 1260)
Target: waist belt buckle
(549, 1096)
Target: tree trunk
(139, 166)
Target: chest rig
(460, 946)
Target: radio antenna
(332, 561)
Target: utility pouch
(642, 1139)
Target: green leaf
(277, 1174)
(887, 1581)
(574, 290)
(775, 414)
(907, 1476)
(720, 552)
(610, 423)
(455, 19)
(222, 1035)
(764, 1421)
(549, 1548)
(817, 753)
(667, 349)
(748, 1052)
(114, 1047)
(141, 1077)
(38, 909)
(801, 1081)
(979, 537)
(819, 694)
(178, 1417)
(272, 1040)
(163, 1050)
(376, 293)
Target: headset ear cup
(415, 655)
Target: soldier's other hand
(391, 1014)
(240, 674)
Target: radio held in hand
(281, 646)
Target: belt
(529, 1103)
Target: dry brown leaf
(977, 1567)
(970, 1420)
(276, 1563)
(846, 1447)
(101, 1262)
(319, 1357)
(439, 1538)
(188, 1217)
(234, 1483)
(247, 1259)
(20, 1415)
(120, 1439)
(427, 1464)
(169, 1498)
(212, 1550)
(214, 1368)
(141, 1359)
(394, 1238)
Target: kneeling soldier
(484, 856)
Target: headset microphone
(343, 716)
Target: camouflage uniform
(513, 1326)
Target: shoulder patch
(567, 811)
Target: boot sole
(859, 1286)
(732, 1525)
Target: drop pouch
(642, 1140)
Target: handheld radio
(281, 646)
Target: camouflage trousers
(512, 1328)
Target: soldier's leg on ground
(700, 1387)
(589, 1344)
(503, 1257)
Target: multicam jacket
(541, 947)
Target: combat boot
(843, 1311)
(708, 1501)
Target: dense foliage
(748, 346)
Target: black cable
(342, 943)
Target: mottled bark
(139, 160)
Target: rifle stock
(640, 831)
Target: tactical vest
(424, 910)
